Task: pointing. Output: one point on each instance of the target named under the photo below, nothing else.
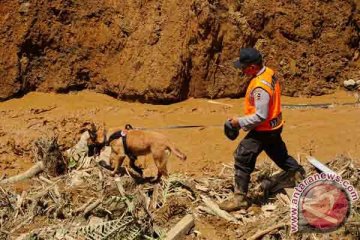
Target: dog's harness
(122, 134)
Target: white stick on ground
(181, 228)
(215, 208)
(31, 172)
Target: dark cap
(248, 56)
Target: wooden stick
(35, 169)
(92, 206)
(43, 193)
(206, 209)
(4, 231)
(20, 225)
(147, 201)
(181, 228)
(154, 197)
(122, 193)
(82, 208)
(44, 179)
(215, 208)
(259, 234)
(57, 191)
(19, 203)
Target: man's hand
(234, 122)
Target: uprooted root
(49, 159)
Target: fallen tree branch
(259, 234)
(31, 172)
(215, 208)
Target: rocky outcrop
(167, 51)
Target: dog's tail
(176, 151)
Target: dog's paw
(149, 173)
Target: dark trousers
(249, 149)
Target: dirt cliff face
(167, 51)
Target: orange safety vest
(270, 84)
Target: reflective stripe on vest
(270, 84)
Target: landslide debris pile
(88, 203)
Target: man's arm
(261, 101)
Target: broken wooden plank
(181, 228)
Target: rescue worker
(263, 120)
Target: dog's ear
(93, 127)
(128, 127)
(81, 131)
(86, 126)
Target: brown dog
(138, 143)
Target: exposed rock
(24, 8)
(167, 51)
(349, 83)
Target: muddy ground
(324, 133)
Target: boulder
(349, 84)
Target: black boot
(235, 203)
(288, 179)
